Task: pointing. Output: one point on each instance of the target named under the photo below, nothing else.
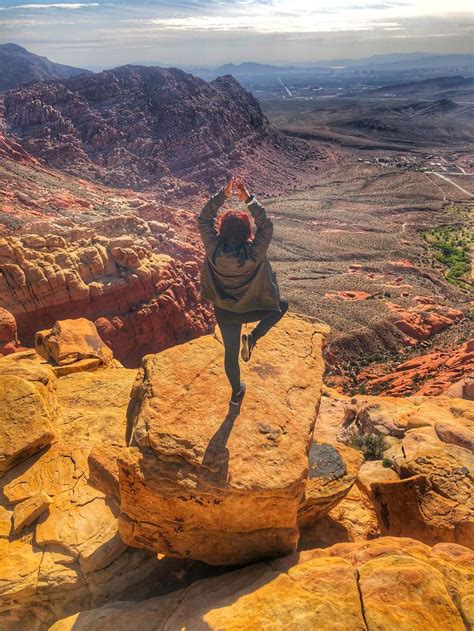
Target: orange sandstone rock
(72, 340)
(199, 483)
(432, 374)
(423, 320)
(382, 584)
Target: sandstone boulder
(93, 406)
(200, 483)
(8, 333)
(412, 508)
(60, 550)
(419, 593)
(30, 366)
(25, 422)
(372, 472)
(383, 584)
(72, 340)
(353, 518)
(332, 472)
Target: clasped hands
(237, 185)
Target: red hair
(234, 226)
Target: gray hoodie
(237, 278)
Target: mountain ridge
(151, 128)
(18, 66)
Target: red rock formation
(143, 299)
(424, 319)
(430, 374)
(144, 127)
(8, 333)
(347, 295)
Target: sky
(213, 32)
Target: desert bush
(371, 445)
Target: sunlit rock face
(198, 482)
(387, 583)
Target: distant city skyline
(214, 32)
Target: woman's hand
(229, 188)
(242, 191)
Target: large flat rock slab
(199, 483)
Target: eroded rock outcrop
(333, 470)
(424, 319)
(199, 483)
(433, 374)
(25, 421)
(385, 584)
(59, 544)
(70, 341)
(427, 494)
(141, 299)
(8, 333)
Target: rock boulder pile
(60, 549)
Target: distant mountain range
(439, 88)
(18, 65)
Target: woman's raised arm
(207, 218)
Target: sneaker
(247, 347)
(239, 397)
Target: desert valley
(343, 492)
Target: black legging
(230, 324)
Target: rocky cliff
(104, 466)
(199, 482)
(150, 127)
(114, 271)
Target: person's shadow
(216, 456)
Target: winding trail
(466, 192)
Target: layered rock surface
(59, 544)
(203, 484)
(433, 374)
(386, 584)
(426, 490)
(141, 298)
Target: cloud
(58, 5)
(217, 31)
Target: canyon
(132, 493)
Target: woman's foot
(248, 345)
(239, 397)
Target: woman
(237, 277)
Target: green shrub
(371, 445)
(387, 463)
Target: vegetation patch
(452, 246)
(371, 445)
